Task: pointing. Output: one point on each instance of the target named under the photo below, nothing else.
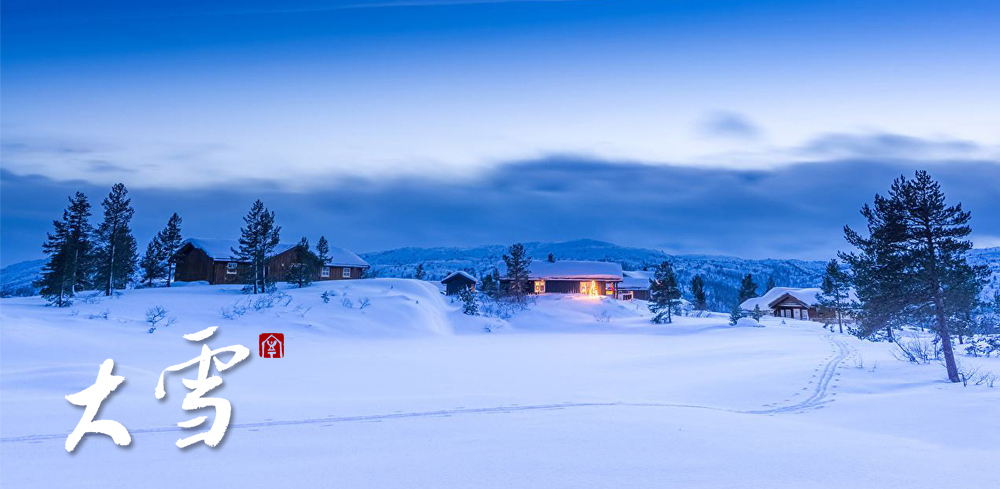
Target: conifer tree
(152, 262)
(490, 283)
(836, 285)
(551, 258)
(517, 263)
(698, 293)
(664, 293)
(323, 251)
(770, 283)
(306, 265)
(258, 238)
(756, 314)
(117, 253)
(748, 289)
(69, 248)
(170, 240)
(916, 256)
(735, 315)
(419, 272)
(468, 301)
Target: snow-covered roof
(634, 283)
(458, 273)
(807, 296)
(221, 249)
(340, 257)
(572, 270)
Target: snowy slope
(408, 392)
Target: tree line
(82, 257)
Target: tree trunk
(949, 354)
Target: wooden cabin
(635, 285)
(456, 281)
(213, 261)
(791, 303)
(593, 278)
(342, 264)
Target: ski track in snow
(827, 373)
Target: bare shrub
(101, 315)
(603, 317)
(327, 295)
(364, 303)
(92, 298)
(156, 315)
(916, 349)
(347, 302)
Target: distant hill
(722, 274)
(16, 279)
(991, 258)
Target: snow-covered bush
(748, 322)
(347, 302)
(327, 294)
(497, 307)
(603, 317)
(983, 346)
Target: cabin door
(588, 288)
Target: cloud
(729, 125)
(888, 145)
(795, 211)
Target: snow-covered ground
(408, 392)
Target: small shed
(456, 281)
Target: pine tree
(664, 293)
(517, 263)
(770, 283)
(835, 288)
(756, 314)
(152, 262)
(170, 240)
(490, 283)
(735, 315)
(551, 258)
(928, 279)
(323, 251)
(419, 272)
(468, 301)
(306, 265)
(117, 253)
(879, 269)
(70, 254)
(748, 289)
(258, 238)
(698, 292)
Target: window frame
(231, 267)
(325, 272)
(346, 273)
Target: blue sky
(378, 99)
